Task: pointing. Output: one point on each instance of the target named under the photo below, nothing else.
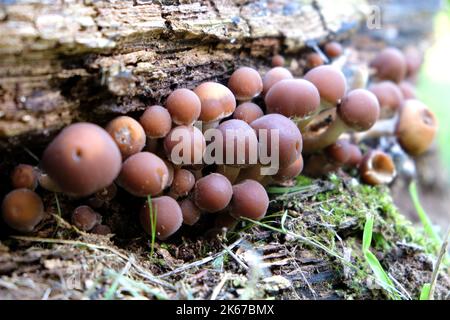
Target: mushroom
(289, 172)
(24, 176)
(183, 182)
(248, 112)
(414, 60)
(217, 102)
(185, 145)
(250, 200)
(377, 167)
(245, 83)
(48, 183)
(143, 174)
(314, 60)
(101, 229)
(156, 121)
(213, 192)
(408, 90)
(82, 159)
(293, 98)
(390, 64)
(275, 75)
(416, 127)
(355, 156)
(84, 218)
(289, 143)
(339, 152)
(191, 213)
(22, 210)
(184, 106)
(358, 111)
(169, 217)
(277, 60)
(389, 97)
(333, 49)
(128, 135)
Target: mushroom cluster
(314, 124)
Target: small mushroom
(289, 172)
(213, 192)
(275, 75)
(48, 183)
(245, 83)
(250, 200)
(143, 174)
(82, 159)
(156, 121)
(333, 49)
(416, 127)
(183, 182)
(355, 156)
(408, 90)
(248, 112)
(414, 60)
(169, 217)
(389, 97)
(22, 210)
(277, 60)
(185, 145)
(390, 64)
(101, 229)
(84, 218)
(184, 106)
(128, 135)
(217, 102)
(377, 168)
(293, 98)
(314, 60)
(24, 176)
(191, 213)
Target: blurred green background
(434, 81)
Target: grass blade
(153, 218)
(367, 235)
(425, 292)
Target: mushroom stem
(381, 128)
(317, 141)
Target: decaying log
(66, 61)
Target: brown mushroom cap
(22, 210)
(248, 112)
(275, 75)
(184, 106)
(408, 90)
(84, 218)
(277, 60)
(330, 81)
(213, 192)
(245, 83)
(217, 101)
(414, 60)
(239, 139)
(339, 152)
(128, 135)
(390, 64)
(82, 159)
(48, 183)
(156, 121)
(416, 127)
(183, 182)
(144, 174)
(290, 172)
(389, 97)
(355, 156)
(314, 60)
(101, 229)
(250, 200)
(377, 167)
(169, 217)
(191, 213)
(293, 98)
(359, 109)
(185, 138)
(290, 138)
(333, 49)
(24, 176)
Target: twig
(442, 253)
(233, 255)
(219, 287)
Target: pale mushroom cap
(82, 159)
(184, 106)
(389, 96)
(275, 75)
(169, 217)
(377, 167)
(408, 90)
(24, 176)
(144, 174)
(22, 210)
(183, 182)
(359, 109)
(277, 60)
(185, 139)
(248, 112)
(213, 192)
(390, 64)
(156, 121)
(217, 101)
(293, 98)
(191, 213)
(245, 83)
(128, 135)
(416, 127)
(330, 81)
(250, 200)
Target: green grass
(153, 218)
